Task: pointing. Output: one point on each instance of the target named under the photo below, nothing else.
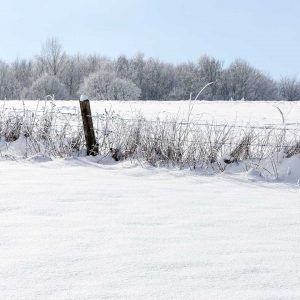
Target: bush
(105, 86)
(44, 86)
(123, 89)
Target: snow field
(232, 112)
(78, 229)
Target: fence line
(71, 123)
(114, 132)
(104, 117)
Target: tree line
(54, 72)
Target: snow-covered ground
(93, 229)
(78, 229)
(234, 112)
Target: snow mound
(289, 169)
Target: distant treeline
(53, 72)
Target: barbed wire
(191, 124)
(70, 122)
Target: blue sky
(266, 33)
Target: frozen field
(93, 229)
(234, 112)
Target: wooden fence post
(92, 148)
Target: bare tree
(210, 70)
(136, 67)
(241, 80)
(122, 67)
(187, 81)
(10, 87)
(74, 73)
(4, 74)
(158, 80)
(52, 58)
(289, 88)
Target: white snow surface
(89, 228)
(233, 112)
(84, 229)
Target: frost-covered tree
(210, 70)
(3, 80)
(123, 67)
(123, 89)
(152, 79)
(22, 71)
(95, 63)
(97, 86)
(136, 67)
(239, 77)
(289, 88)
(9, 86)
(73, 75)
(44, 86)
(242, 81)
(187, 81)
(264, 88)
(106, 86)
(158, 80)
(52, 58)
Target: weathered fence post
(92, 148)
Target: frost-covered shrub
(123, 89)
(97, 86)
(44, 86)
(167, 142)
(106, 86)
